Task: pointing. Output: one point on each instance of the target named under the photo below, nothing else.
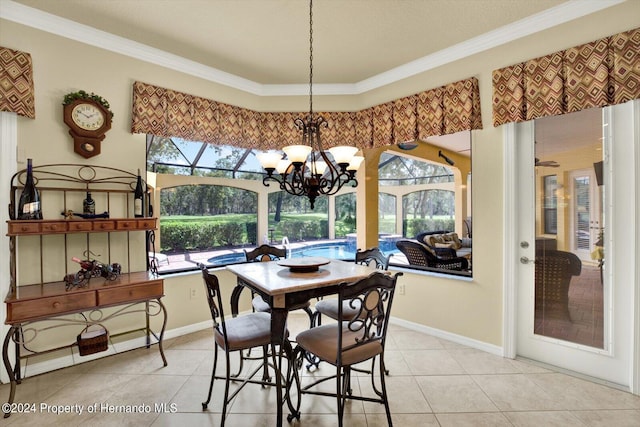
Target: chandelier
(307, 169)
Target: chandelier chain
(311, 59)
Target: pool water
(333, 252)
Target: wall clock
(88, 120)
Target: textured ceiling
(267, 41)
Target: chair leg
(293, 380)
(385, 400)
(339, 398)
(226, 389)
(213, 375)
(265, 364)
(311, 316)
(317, 320)
(237, 374)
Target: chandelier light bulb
(355, 163)
(269, 159)
(283, 166)
(318, 168)
(343, 154)
(297, 154)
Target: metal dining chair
(329, 307)
(344, 344)
(265, 253)
(235, 335)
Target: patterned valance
(448, 109)
(16, 82)
(596, 74)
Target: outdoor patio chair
(420, 254)
(553, 272)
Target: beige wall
(468, 308)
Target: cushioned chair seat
(329, 307)
(323, 342)
(251, 330)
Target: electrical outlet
(193, 293)
(401, 289)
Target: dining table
(284, 284)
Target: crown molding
(35, 18)
(541, 21)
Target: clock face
(87, 116)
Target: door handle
(525, 260)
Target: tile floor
(433, 382)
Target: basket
(90, 342)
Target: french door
(542, 320)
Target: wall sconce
(446, 159)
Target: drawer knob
(56, 304)
(24, 228)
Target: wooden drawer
(123, 294)
(80, 226)
(54, 227)
(147, 224)
(103, 226)
(126, 224)
(18, 311)
(23, 228)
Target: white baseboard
(458, 339)
(32, 369)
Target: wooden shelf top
(65, 226)
(53, 289)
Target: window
(434, 193)
(291, 217)
(206, 217)
(550, 205)
(208, 198)
(345, 215)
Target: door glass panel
(569, 256)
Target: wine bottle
(138, 198)
(29, 205)
(89, 205)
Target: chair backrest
(265, 253)
(417, 253)
(375, 255)
(372, 296)
(420, 254)
(553, 272)
(212, 289)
